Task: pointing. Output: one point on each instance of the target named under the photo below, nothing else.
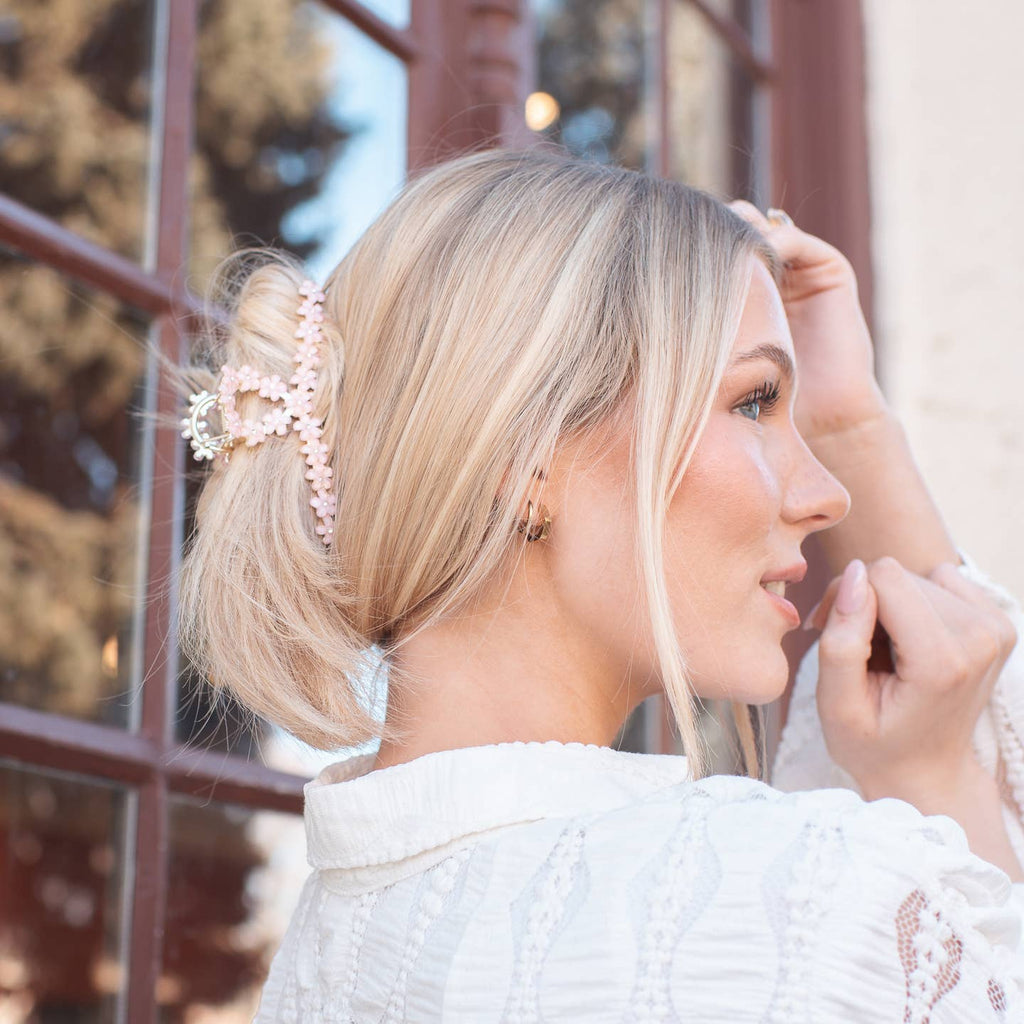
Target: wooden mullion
(663, 162)
(209, 774)
(68, 744)
(150, 882)
(733, 35)
(403, 43)
(47, 241)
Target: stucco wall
(946, 135)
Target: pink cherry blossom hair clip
(293, 409)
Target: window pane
(213, 720)
(593, 58)
(235, 877)
(709, 105)
(62, 897)
(76, 100)
(394, 11)
(299, 153)
(70, 514)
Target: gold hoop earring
(535, 531)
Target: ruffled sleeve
(830, 909)
(802, 760)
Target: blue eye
(762, 399)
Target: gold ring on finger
(778, 217)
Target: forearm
(891, 511)
(974, 803)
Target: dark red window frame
(468, 66)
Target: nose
(814, 497)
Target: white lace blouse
(566, 882)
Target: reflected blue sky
(369, 97)
(395, 11)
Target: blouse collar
(357, 817)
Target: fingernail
(809, 620)
(853, 588)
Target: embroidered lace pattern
(361, 915)
(930, 952)
(681, 882)
(545, 901)
(997, 997)
(433, 894)
(797, 889)
(299, 978)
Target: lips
(773, 583)
(787, 608)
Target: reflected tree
(591, 58)
(76, 94)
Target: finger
(799, 250)
(817, 616)
(988, 616)
(921, 634)
(844, 688)
(947, 575)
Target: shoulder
(730, 894)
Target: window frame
(469, 67)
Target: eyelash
(766, 395)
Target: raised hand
(837, 386)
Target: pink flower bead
(320, 477)
(248, 379)
(273, 387)
(277, 421)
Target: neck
(510, 669)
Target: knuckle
(958, 670)
(1007, 631)
(837, 648)
(885, 567)
(983, 641)
(944, 571)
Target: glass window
(62, 897)
(594, 62)
(394, 11)
(709, 99)
(71, 517)
(300, 132)
(235, 878)
(76, 102)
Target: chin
(766, 681)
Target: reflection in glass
(593, 57)
(301, 153)
(235, 876)
(394, 11)
(76, 95)
(211, 718)
(70, 518)
(707, 92)
(62, 884)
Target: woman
(554, 459)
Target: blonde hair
(504, 302)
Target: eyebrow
(779, 356)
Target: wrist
(872, 434)
(951, 792)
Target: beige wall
(946, 135)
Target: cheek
(719, 540)
(726, 507)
